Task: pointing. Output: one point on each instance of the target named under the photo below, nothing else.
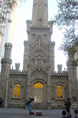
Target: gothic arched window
(59, 90)
(17, 90)
(40, 21)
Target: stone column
(77, 82)
(71, 75)
(52, 56)
(28, 82)
(6, 63)
(49, 88)
(6, 93)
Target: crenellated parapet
(17, 72)
(63, 73)
(8, 45)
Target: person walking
(68, 104)
(1, 101)
(28, 104)
(76, 113)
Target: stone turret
(17, 66)
(6, 63)
(26, 55)
(59, 66)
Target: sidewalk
(23, 113)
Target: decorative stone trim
(39, 28)
(4, 60)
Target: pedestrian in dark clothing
(64, 114)
(68, 104)
(76, 113)
(1, 102)
(28, 104)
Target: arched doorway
(38, 92)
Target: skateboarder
(28, 104)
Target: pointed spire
(40, 13)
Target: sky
(25, 13)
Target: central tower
(39, 58)
(40, 13)
(39, 49)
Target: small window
(59, 92)
(17, 90)
(40, 21)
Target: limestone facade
(38, 78)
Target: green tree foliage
(67, 20)
(6, 6)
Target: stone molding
(39, 28)
(4, 60)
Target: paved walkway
(23, 113)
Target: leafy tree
(67, 20)
(6, 6)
